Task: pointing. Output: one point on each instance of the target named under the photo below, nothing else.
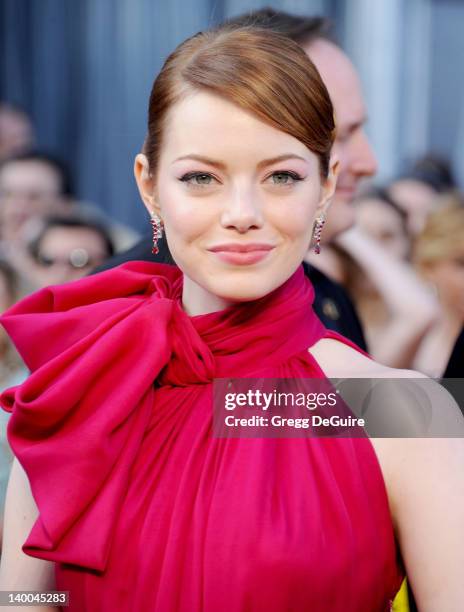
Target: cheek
(295, 221)
(450, 279)
(185, 218)
(293, 216)
(457, 279)
(402, 248)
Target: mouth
(242, 254)
(347, 193)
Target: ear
(145, 183)
(328, 187)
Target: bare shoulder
(339, 360)
(426, 421)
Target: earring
(320, 222)
(157, 226)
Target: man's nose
(242, 211)
(364, 162)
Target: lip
(346, 192)
(236, 247)
(242, 254)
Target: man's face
(16, 133)
(356, 158)
(67, 253)
(28, 188)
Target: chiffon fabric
(140, 508)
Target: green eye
(281, 178)
(197, 178)
(202, 179)
(285, 178)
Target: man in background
(16, 131)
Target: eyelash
(191, 175)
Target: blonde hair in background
(443, 235)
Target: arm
(413, 308)
(425, 482)
(20, 572)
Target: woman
(140, 508)
(438, 255)
(65, 247)
(396, 307)
(416, 190)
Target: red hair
(261, 71)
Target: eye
(285, 178)
(197, 179)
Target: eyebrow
(222, 166)
(352, 127)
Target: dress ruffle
(95, 348)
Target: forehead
(210, 124)
(341, 79)
(11, 121)
(63, 238)
(29, 171)
(376, 212)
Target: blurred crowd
(403, 266)
(46, 237)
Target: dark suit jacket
(331, 304)
(455, 367)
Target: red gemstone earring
(317, 233)
(157, 226)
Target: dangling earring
(320, 222)
(157, 226)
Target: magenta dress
(141, 509)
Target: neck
(327, 262)
(198, 301)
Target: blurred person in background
(16, 131)
(382, 219)
(379, 217)
(415, 191)
(62, 248)
(438, 255)
(31, 184)
(12, 369)
(12, 372)
(396, 307)
(455, 367)
(37, 184)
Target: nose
(363, 160)
(242, 211)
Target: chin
(247, 287)
(248, 291)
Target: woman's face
(238, 199)
(384, 224)
(27, 188)
(417, 200)
(66, 254)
